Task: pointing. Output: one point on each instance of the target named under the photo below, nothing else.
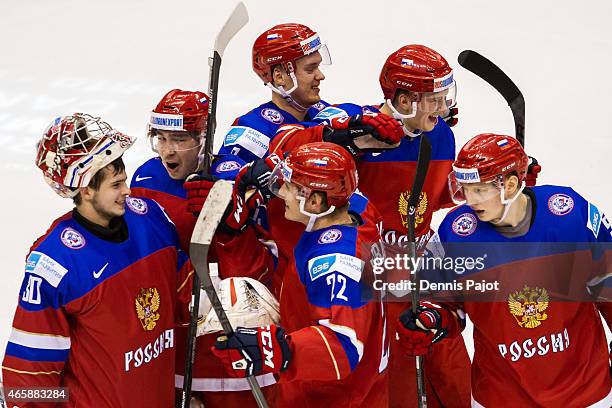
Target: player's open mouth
(172, 166)
(433, 119)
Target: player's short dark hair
(116, 166)
(401, 92)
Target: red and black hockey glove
(343, 131)
(450, 116)
(255, 176)
(254, 351)
(435, 322)
(236, 215)
(198, 187)
(532, 172)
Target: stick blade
(238, 19)
(494, 76)
(219, 197)
(487, 70)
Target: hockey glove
(343, 131)
(255, 175)
(254, 351)
(450, 116)
(236, 215)
(532, 172)
(418, 332)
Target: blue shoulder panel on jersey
(358, 203)
(153, 175)
(71, 261)
(227, 167)
(249, 137)
(328, 267)
(560, 226)
(341, 110)
(315, 109)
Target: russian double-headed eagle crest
(420, 211)
(147, 305)
(528, 306)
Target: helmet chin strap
(507, 202)
(287, 94)
(312, 218)
(400, 118)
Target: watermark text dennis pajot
(435, 273)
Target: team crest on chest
(272, 115)
(330, 236)
(528, 306)
(137, 205)
(72, 238)
(465, 224)
(420, 210)
(229, 165)
(560, 204)
(147, 305)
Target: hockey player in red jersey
(176, 133)
(538, 337)
(111, 256)
(418, 87)
(287, 58)
(330, 347)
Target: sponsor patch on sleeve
(330, 112)
(249, 138)
(347, 265)
(45, 267)
(594, 221)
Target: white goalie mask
(247, 303)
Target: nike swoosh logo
(97, 274)
(376, 154)
(138, 178)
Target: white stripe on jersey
(39, 340)
(345, 331)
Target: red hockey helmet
(181, 111)
(74, 148)
(319, 166)
(487, 158)
(415, 68)
(283, 44)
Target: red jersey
(98, 316)
(537, 341)
(240, 255)
(337, 327)
(386, 178)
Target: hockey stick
(485, 69)
(213, 209)
(413, 201)
(234, 23)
